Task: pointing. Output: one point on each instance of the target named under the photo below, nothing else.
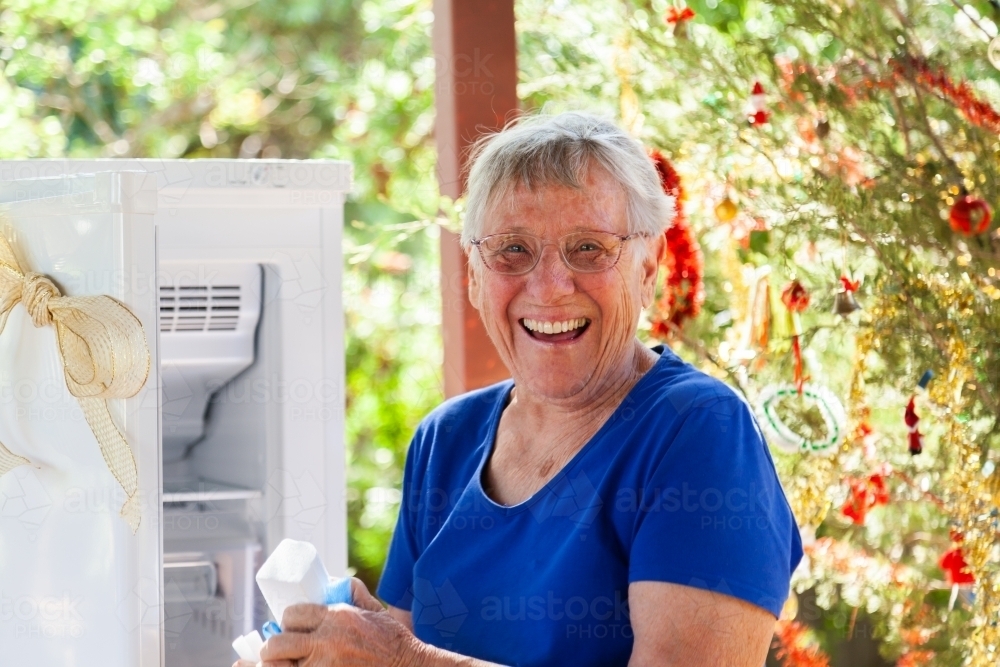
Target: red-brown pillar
(475, 53)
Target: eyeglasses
(585, 252)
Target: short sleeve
(712, 513)
(395, 586)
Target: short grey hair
(558, 150)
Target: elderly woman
(610, 504)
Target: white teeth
(554, 327)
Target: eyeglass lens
(587, 252)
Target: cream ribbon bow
(104, 355)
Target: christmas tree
(837, 165)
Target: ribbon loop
(104, 354)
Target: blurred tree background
(842, 173)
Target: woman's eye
(588, 246)
(514, 247)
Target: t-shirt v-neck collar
(491, 435)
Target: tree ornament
(956, 570)
(677, 15)
(864, 495)
(782, 436)
(677, 18)
(916, 438)
(758, 114)
(726, 210)
(822, 129)
(970, 215)
(844, 302)
(796, 299)
(756, 330)
(683, 290)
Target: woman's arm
(691, 627)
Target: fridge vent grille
(199, 308)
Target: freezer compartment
(211, 554)
(208, 318)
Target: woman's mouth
(555, 332)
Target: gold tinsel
(972, 506)
(969, 497)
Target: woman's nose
(551, 278)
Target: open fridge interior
(216, 363)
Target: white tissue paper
(248, 646)
(292, 574)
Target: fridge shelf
(203, 490)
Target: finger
(362, 598)
(279, 663)
(302, 617)
(244, 663)
(289, 646)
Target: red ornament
(683, 291)
(864, 495)
(795, 297)
(758, 114)
(970, 216)
(956, 570)
(676, 15)
(911, 419)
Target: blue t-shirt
(677, 486)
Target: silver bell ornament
(844, 302)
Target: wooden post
(475, 53)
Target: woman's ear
(475, 284)
(654, 256)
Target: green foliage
(393, 378)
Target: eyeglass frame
(623, 238)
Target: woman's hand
(363, 634)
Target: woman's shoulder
(475, 406)
(676, 388)
(460, 423)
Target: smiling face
(564, 334)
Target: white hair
(558, 150)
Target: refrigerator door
(77, 587)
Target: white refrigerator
(232, 268)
